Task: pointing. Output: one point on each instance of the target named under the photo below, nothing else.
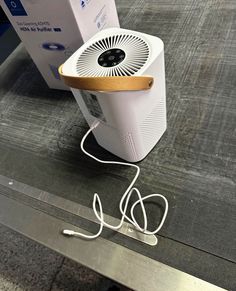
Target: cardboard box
(52, 30)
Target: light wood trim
(109, 84)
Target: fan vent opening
(118, 55)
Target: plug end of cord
(68, 232)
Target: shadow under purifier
(118, 78)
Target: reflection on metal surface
(76, 209)
(107, 258)
(128, 230)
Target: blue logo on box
(16, 8)
(52, 46)
(82, 3)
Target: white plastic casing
(133, 121)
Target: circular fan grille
(135, 54)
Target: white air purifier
(118, 78)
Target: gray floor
(26, 265)
(200, 54)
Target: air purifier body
(132, 119)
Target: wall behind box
(52, 30)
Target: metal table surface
(46, 183)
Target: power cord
(123, 202)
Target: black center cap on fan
(111, 57)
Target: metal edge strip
(107, 258)
(76, 209)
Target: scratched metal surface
(194, 163)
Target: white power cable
(124, 200)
